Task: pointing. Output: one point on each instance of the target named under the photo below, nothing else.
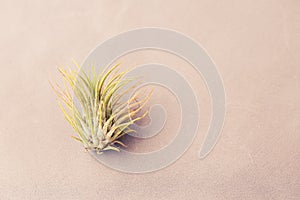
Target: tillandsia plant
(101, 118)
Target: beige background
(255, 45)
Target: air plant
(100, 118)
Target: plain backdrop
(256, 47)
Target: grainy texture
(256, 47)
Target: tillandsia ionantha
(101, 117)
